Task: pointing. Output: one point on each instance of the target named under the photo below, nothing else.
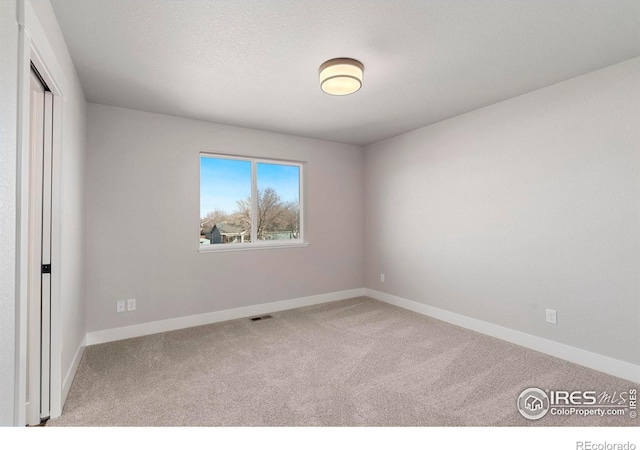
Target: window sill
(216, 248)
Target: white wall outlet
(381, 278)
(120, 306)
(551, 316)
(131, 304)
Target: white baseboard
(71, 373)
(143, 329)
(615, 367)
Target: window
(249, 203)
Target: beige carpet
(348, 363)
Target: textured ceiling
(255, 63)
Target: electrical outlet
(381, 278)
(120, 306)
(551, 316)
(131, 304)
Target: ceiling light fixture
(341, 76)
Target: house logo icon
(533, 403)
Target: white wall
(70, 274)
(528, 204)
(8, 207)
(42, 30)
(143, 220)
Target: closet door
(39, 303)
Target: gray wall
(8, 171)
(143, 220)
(528, 204)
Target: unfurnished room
(328, 214)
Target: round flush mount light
(341, 76)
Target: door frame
(34, 47)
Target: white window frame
(255, 244)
